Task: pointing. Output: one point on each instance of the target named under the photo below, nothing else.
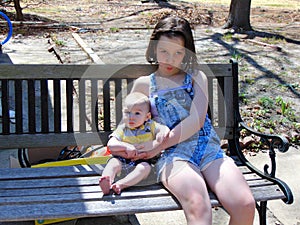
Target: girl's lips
(169, 68)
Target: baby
(138, 131)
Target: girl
(192, 159)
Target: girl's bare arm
(195, 121)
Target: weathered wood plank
(40, 140)
(82, 193)
(84, 180)
(86, 208)
(46, 172)
(67, 171)
(55, 182)
(32, 71)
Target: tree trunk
(239, 15)
(19, 13)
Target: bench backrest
(81, 104)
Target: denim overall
(170, 107)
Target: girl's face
(170, 53)
(135, 115)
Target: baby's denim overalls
(171, 106)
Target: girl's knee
(196, 207)
(194, 200)
(250, 204)
(244, 206)
(243, 211)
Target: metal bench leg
(262, 211)
(133, 220)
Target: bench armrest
(273, 142)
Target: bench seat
(73, 192)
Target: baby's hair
(137, 98)
(173, 26)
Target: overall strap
(187, 85)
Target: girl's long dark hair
(173, 26)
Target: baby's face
(135, 115)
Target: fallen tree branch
(87, 49)
(275, 47)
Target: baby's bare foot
(117, 188)
(105, 184)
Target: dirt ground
(268, 57)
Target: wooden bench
(60, 105)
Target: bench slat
(46, 172)
(79, 194)
(87, 208)
(40, 140)
(70, 71)
(252, 179)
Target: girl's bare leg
(189, 188)
(140, 172)
(112, 168)
(228, 183)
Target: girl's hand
(162, 135)
(131, 152)
(142, 154)
(146, 146)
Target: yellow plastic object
(71, 162)
(39, 222)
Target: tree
(239, 15)
(19, 13)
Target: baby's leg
(112, 168)
(140, 172)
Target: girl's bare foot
(105, 184)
